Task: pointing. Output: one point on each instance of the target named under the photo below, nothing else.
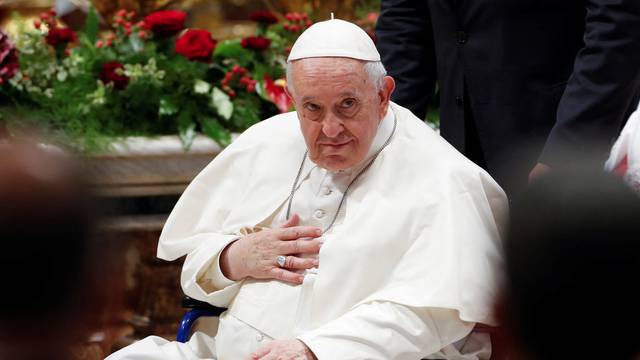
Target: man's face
(339, 109)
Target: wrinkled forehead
(328, 74)
(327, 63)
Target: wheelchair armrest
(197, 309)
(190, 303)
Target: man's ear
(286, 91)
(385, 93)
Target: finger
(296, 263)
(296, 232)
(294, 247)
(294, 220)
(262, 351)
(286, 276)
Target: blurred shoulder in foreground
(48, 263)
(573, 256)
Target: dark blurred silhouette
(573, 259)
(49, 264)
(561, 76)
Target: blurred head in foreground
(45, 261)
(573, 258)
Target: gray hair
(375, 70)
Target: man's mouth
(336, 145)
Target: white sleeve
(385, 330)
(202, 278)
(211, 274)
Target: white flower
(201, 87)
(62, 75)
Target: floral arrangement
(8, 59)
(145, 76)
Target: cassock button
(460, 101)
(319, 214)
(259, 337)
(327, 191)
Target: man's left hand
(283, 350)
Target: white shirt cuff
(214, 272)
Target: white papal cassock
(406, 271)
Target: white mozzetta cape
(422, 226)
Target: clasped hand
(255, 255)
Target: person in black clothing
(525, 85)
(573, 257)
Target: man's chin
(335, 162)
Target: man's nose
(332, 126)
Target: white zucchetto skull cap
(334, 38)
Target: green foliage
(62, 91)
(231, 49)
(247, 112)
(92, 26)
(212, 128)
(222, 103)
(68, 92)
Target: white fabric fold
(382, 331)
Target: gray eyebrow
(343, 94)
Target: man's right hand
(255, 255)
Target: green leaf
(168, 106)
(222, 103)
(233, 50)
(229, 48)
(92, 25)
(259, 70)
(186, 129)
(213, 129)
(247, 111)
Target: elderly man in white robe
(345, 230)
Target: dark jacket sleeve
(603, 86)
(405, 41)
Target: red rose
(8, 59)
(263, 17)
(196, 45)
(109, 74)
(60, 36)
(165, 23)
(255, 43)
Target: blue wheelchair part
(184, 329)
(198, 309)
